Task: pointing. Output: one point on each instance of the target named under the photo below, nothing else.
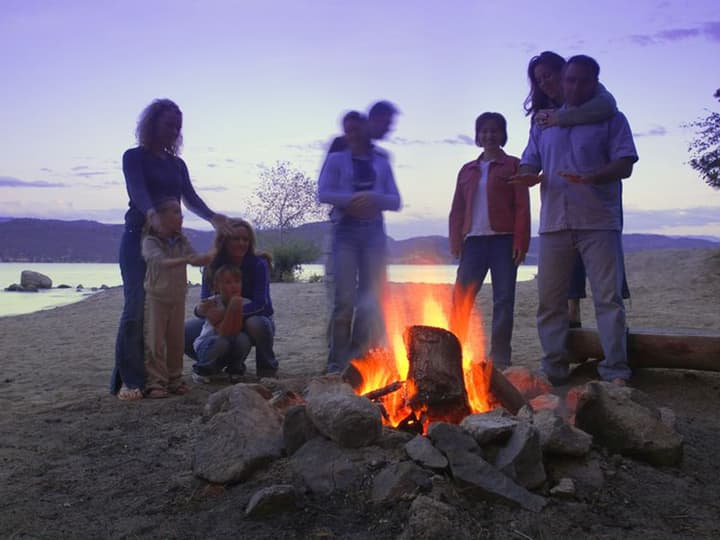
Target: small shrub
(289, 256)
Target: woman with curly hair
(235, 249)
(153, 173)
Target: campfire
(426, 374)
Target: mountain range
(45, 240)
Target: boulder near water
(34, 280)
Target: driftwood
(435, 368)
(654, 348)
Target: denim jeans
(214, 353)
(260, 332)
(494, 253)
(129, 347)
(602, 255)
(358, 252)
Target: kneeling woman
(489, 229)
(238, 249)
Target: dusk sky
(263, 80)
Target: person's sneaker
(200, 379)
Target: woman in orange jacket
(489, 230)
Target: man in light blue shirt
(581, 212)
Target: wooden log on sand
(654, 348)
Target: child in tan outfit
(167, 253)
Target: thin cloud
(655, 131)
(314, 145)
(8, 181)
(457, 139)
(710, 30)
(644, 220)
(89, 174)
(214, 188)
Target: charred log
(505, 393)
(435, 367)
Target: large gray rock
(421, 450)
(625, 421)
(350, 420)
(325, 467)
(400, 480)
(448, 437)
(225, 399)
(34, 280)
(297, 428)
(559, 437)
(475, 475)
(488, 428)
(480, 479)
(430, 519)
(521, 458)
(235, 443)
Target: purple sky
(260, 81)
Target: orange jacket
(508, 204)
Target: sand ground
(77, 463)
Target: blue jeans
(129, 347)
(217, 352)
(602, 255)
(480, 254)
(358, 252)
(260, 332)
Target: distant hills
(44, 240)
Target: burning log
(435, 368)
(384, 391)
(654, 348)
(505, 393)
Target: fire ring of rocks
(334, 441)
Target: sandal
(129, 394)
(180, 390)
(156, 393)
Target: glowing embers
(426, 374)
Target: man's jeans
(129, 346)
(359, 262)
(602, 255)
(494, 253)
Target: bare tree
(285, 198)
(705, 148)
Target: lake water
(91, 275)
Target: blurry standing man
(581, 213)
(377, 125)
(358, 182)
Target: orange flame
(429, 305)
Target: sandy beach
(77, 463)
